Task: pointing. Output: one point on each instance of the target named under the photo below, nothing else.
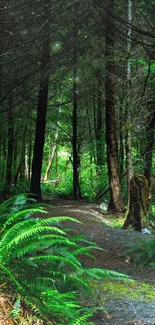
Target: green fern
(40, 262)
(15, 312)
(83, 320)
(142, 252)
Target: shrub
(142, 252)
(40, 262)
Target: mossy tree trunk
(139, 203)
(110, 96)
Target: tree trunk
(10, 144)
(29, 155)
(129, 166)
(99, 127)
(74, 121)
(22, 163)
(149, 147)
(15, 152)
(121, 142)
(53, 154)
(4, 158)
(92, 151)
(35, 186)
(139, 203)
(111, 137)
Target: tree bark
(74, 120)
(10, 143)
(54, 152)
(99, 127)
(149, 147)
(35, 185)
(3, 158)
(129, 165)
(121, 142)
(111, 137)
(52, 155)
(139, 203)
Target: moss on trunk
(139, 203)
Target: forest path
(124, 309)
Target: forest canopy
(77, 97)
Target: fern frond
(142, 252)
(83, 320)
(57, 220)
(15, 311)
(47, 244)
(98, 273)
(20, 215)
(43, 263)
(53, 258)
(11, 276)
(21, 231)
(85, 250)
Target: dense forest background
(77, 97)
(77, 121)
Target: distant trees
(91, 59)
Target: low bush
(40, 262)
(142, 252)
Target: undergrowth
(142, 252)
(40, 263)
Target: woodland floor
(125, 303)
(137, 304)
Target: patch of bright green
(116, 224)
(112, 222)
(153, 209)
(121, 289)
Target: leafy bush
(39, 262)
(142, 252)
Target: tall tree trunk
(74, 120)
(150, 125)
(111, 137)
(15, 151)
(23, 161)
(121, 143)
(4, 158)
(129, 165)
(35, 186)
(99, 126)
(92, 151)
(149, 146)
(29, 154)
(51, 159)
(10, 143)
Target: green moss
(121, 289)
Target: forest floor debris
(138, 307)
(120, 303)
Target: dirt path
(125, 310)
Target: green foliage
(15, 312)
(116, 224)
(153, 209)
(62, 180)
(120, 289)
(142, 252)
(39, 261)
